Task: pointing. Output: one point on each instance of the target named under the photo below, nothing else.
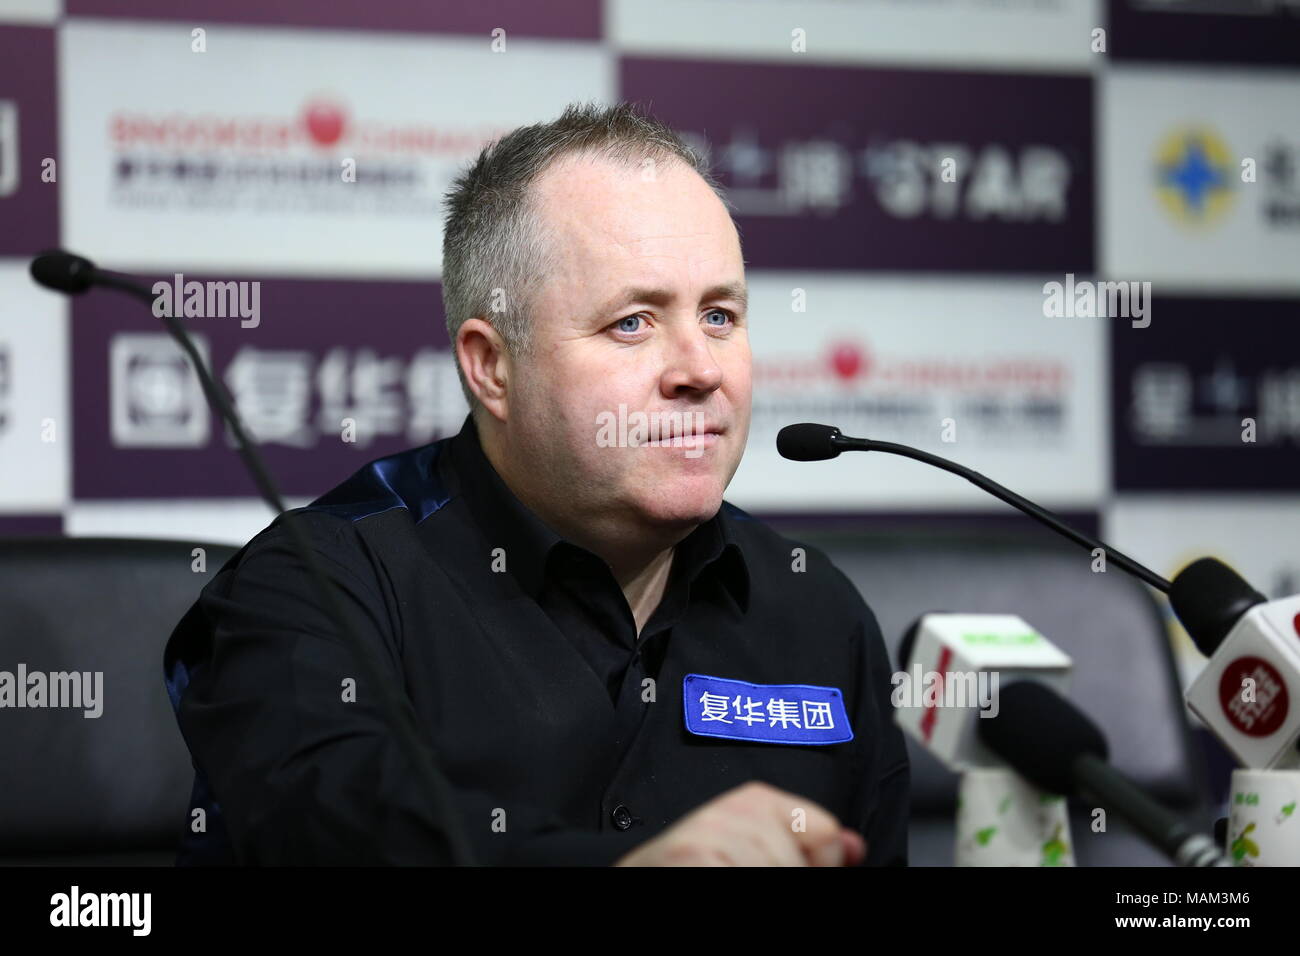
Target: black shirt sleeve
(295, 746)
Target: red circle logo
(1296, 622)
(1253, 696)
(847, 361)
(324, 122)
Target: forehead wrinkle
(659, 294)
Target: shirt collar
(529, 543)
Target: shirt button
(622, 817)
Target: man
(612, 664)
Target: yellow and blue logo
(1194, 176)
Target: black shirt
(562, 733)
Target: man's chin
(682, 503)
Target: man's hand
(753, 825)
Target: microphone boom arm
(1037, 512)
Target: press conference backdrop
(930, 196)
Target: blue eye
(726, 317)
(622, 326)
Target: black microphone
(1209, 599)
(72, 274)
(810, 442)
(1057, 748)
(63, 272)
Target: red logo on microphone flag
(1253, 696)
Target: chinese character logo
(155, 397)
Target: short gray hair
(494, 250)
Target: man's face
(644, 310)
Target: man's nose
(690, 364)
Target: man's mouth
(706, 437)
(692, 431)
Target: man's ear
(483, 359)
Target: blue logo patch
(767, 713)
